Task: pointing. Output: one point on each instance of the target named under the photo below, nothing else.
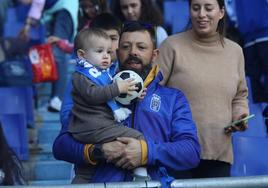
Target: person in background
(61, 20)
(163, 116)
(209, 69)
(141, 10)
(252, 23)
(89, 9)
(10, 166)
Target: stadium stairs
(42, 168)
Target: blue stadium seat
(250, 156)
(14, 127)
(12, 100)
(176, 14)
(13, 115)
(256, 126)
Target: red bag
(43, 64)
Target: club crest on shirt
(155, 103)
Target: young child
(94, 113)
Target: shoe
(140, 174)
(54, 105)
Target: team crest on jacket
(155, 103)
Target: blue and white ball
(126, 99)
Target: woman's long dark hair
(9, 163)
(150, 12)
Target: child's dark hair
(106, 21)
(83, 38)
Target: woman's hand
(241, 126)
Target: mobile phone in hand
(235, 123)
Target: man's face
(136, 52)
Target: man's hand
(131, 156)
(113, 150)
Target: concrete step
(48, 132)
(43, 116)
(47, 170)
(41, 152)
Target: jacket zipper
(133, 116)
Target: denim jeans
(62, 27)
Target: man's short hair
(132, 26)
(83, 38)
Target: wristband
(97, 153)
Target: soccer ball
(126, 99)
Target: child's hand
(144, 92)
(126, 86)
(53, 39)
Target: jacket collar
(151, 76)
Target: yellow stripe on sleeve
(86, 154)
(144, 152)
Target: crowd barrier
(232, 182)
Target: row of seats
(176, 15)
(250, 153)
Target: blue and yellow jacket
(164, 118)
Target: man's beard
(143, 72)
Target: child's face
(99, 53)
(114, 36)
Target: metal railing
(232, 182)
